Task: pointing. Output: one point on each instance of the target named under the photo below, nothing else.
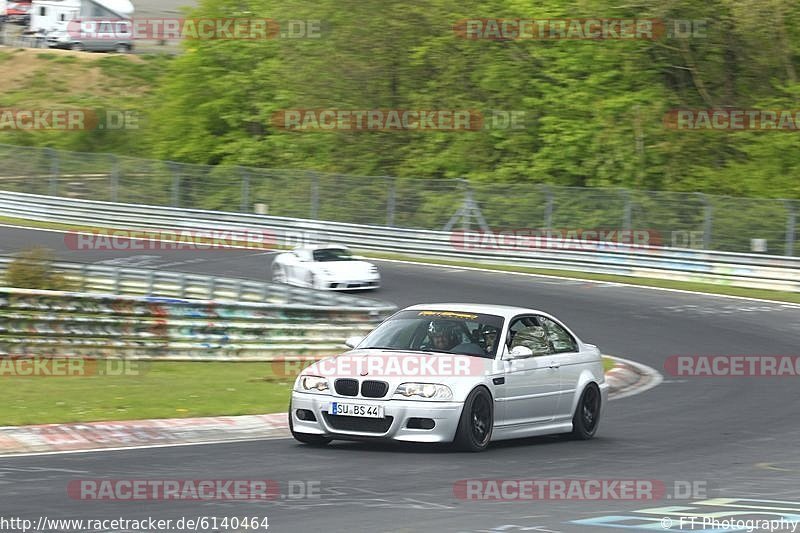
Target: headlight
(373, 269)
(429, 391)
(313, 384)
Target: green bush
(34, 269)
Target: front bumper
(444, 414)
(350, 285)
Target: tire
(122, 49)
(587, 413)
(278, 274)
(77, 47)
(307, 438)
(477, 420)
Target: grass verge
(165, 389)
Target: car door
(296, 266)
(531, 388)
(566, 357)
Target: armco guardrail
(103, 279)
(63, 324)
(742, 270)
(683, 219)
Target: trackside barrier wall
(758, 271)
(66, 324)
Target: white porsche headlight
(313, 384)
(429, 391)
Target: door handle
(554, 364)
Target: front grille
(357, 423)
(374, 389)
(346, 387)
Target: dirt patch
(34, 74)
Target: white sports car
(462, 373)
(325, 267)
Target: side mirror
(520, 352)
(352, 342)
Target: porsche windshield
(332, 254)
(439, 332)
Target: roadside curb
(625, 379)
(92, 436)
(629, 377)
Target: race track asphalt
(736, 439)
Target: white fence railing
(741, 270)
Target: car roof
(506, 311)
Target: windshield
(438, 332)
(332, 254)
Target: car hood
(397, 367)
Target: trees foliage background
(594, 109)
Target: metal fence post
(548, 206)
(245, 190)
(466, 223)
(239, 290)
(791, 221)
(469, 209)
(314, 195)
(114, 178)
(708, 220)
(55, 172)
(626, 214)
(176, 184)
(212, 288)
(391, 201)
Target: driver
(443, 335)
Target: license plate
(356, 409)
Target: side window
(559, 337)
(526, 331)
(303, 255)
